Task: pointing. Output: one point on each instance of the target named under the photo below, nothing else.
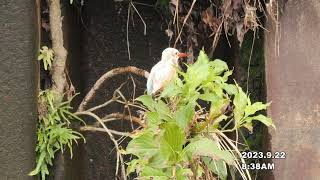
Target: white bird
(164, 71)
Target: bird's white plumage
(164, 71)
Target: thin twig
(107, 76)
(133, 105)
(249, 64)
(112, 139)
(117, 116)
(184, 22)
(128, 43)
(92, 128)
(102, 105)
(144, 23)
(134, 89)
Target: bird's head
(172, 55)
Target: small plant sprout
(46, 55)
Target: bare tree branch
(117, 116)
(60, 53)
(119, 156)
(107, 76)
(93, 128)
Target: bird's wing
(150, 82)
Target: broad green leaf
(162, 108)
(240, 103)
(248, 126)
(218, 107)
(202, 58)
(251, 109)
(226, 75)
(212, 97)
(153, 119)
(145, 145)
(147, 101)
(164, 158)
(184, 115)
(174, 136)
(133, 165)
(171, 90)
(154, 173)
(265, 120)
(206, 147)
(217, 120)
(218, 167)
(231, 89)
(183, 174)
(171, 144)
(218, 66)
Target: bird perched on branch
(164, 71)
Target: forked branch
(107, 76)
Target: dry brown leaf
(209, 19)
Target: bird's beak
(182, 55)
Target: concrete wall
(293, 86)
(18, 111)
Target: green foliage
(181, 134)
(46, 55)
(53, 132)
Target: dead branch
(184, 22)
(59, 62)
(107, 76)
(118, 116)
(119, 156)
(94, 129)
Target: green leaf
(162, 108)
(248, 126)
(39, 164)
(133, 165)
(153, 119)
(202, 58)
(251, 109)
(231, 89)
(184, 115)
(218, 66)
(212, 97)
(164, 158)
(218, 167)
(226, 75)
(183, 174)
(207, 147)
(174, 136)
(147, 101)
(154, 173)
(265, 120)
(218, 107)
(240, 103)
(172, 89)
(145, 145)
